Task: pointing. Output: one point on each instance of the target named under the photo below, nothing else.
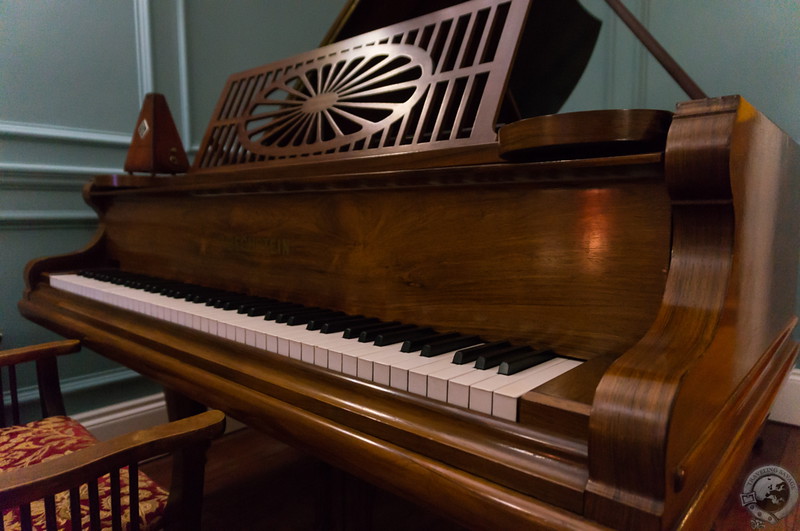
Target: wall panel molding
(56, 132)
(144, 47)
(10, 180)
(47, 219)
(29, 396)
(125, 417)
(183, 72)
(60, 169)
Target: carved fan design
(324, 105)
(432, 82)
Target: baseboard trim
(118, 419)
(48, 219)
(787, 404)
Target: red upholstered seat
(52, 437)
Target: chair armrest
(35, 352)
(31, 483)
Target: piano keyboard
(449, 367)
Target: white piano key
(505, 400)
(480, 394)
(265, 332)
(351, 355)
(418, 376)
(438, 382)
(458, 388)
(366, 363)
(399, 378)
(320, 356)
(382, 368)
(328, 352)
(437, 377)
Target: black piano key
(254, 309)
(285, 315)
(413, 345)
(202, 295)
(448, 345)
(132, 281)
(354, 332)
(368, 336)
(261, 302)
(525, 360)
(219, 298)
(257, 311)
(303, 319)
(490, 360)
(331, 327)
(468, 355)
(188, 293)
(318, 323)
(176, 291)
(158, 287)
(398, 336)
(273, 313)
(235, 305)
(230, 302)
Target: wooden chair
(55, 475)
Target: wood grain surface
(673, 275)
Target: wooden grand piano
(647, 259)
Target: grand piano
(389, 252)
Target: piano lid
(554, 49)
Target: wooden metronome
(156, 146)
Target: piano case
(394, 175)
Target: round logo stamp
(770, 493)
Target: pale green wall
(72, 75)
(72, 78)
(727, 46)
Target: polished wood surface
(14, 356)
(667, 264)
(428, 258)
(254, 481)
(585, 134)
(654, 267)
(716, 337)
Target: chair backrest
(58, 473)
(77, 483)
(44, 357)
